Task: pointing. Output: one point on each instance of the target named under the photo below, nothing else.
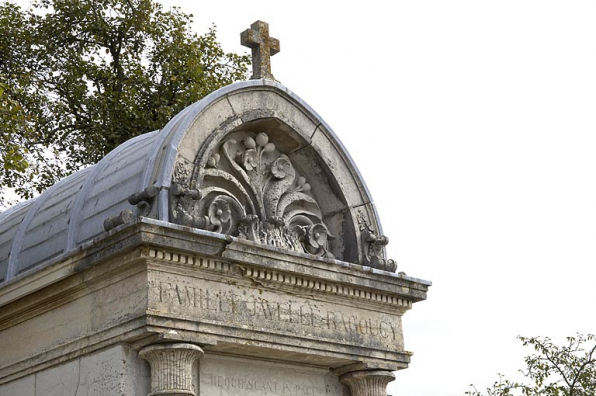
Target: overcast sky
(473, 124)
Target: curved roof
(72, 212)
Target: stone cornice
(328, 287)
(186, 242)
(280, 279)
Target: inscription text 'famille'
(248, 308)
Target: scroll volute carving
(250, 189)
(373, 246)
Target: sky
(473, 124)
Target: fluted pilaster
(171, 368)
(368, 383)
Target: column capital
(171, 368)
(368, 382)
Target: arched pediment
(259, 164)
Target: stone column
(368, 383)
(171, 368)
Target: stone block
(113, 372)
(139, 374)
(62, 380)
(22, 387)
(254, 105)
(45, 332)
(341, 167)
(215, 120)
(107, 307)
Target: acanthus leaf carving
(253, 191)
(374, 245)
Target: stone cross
(262, 46)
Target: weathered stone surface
(172, 368)
(250, 188)
(62, 380)
(91, 313)
(230, 376)
(344, 174)
(257, 311)
(368, 383)
(263, 47)
(21, 387)
(107, 372)
(372, 242)
(217, 119)
(115, 371)
(274, 110)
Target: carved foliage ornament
(253, 191)
(374, 245)
(142, 200)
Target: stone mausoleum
(236, 251)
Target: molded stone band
(171, 368)
(368, 383)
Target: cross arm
(250, 38)
(273, 46)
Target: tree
(567, 370)
(79, 77)
(12, 156)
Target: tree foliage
(566, 370)
(79, 77)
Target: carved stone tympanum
(171, 368)
(253, 191)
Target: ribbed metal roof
(72, 212)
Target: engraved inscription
(263, 387)
(254, 308)
(224, 376)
